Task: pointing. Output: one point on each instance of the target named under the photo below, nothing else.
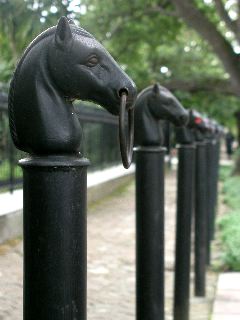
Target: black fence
(100, 136)
(100, 143)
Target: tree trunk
(197, 20)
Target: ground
(111, 262)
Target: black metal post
(54, 237)
(150, 232)
(210, 153)
(186, 170)
(215, 182)
(44, 123)
(200, 219)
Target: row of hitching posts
(55, 236)
(55, 231)
(42, 122)
(197, 180)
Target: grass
(229, 225)
(225, 172)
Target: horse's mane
(50, 31)
(12, 124)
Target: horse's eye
(92, 61)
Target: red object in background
(198, 120)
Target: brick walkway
(111, 263)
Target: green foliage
(5, 171)
(230, 237)
(134, 33)
(231, 189)
(224, 173)
(20, 22)
(230, 224)
(141, 38)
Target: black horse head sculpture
(197, 124)
(153, 104)
(63, 63)
(209, 128)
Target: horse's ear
(63, 35)
(156, 89)
(71, 21)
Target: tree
(146, 37)
(153, 44)
(224, 44)
(194, 13)
(20, 22)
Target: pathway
(111, 262)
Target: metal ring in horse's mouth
(126, 142)
(129, 102)
(122, 91)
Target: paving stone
(227, 303)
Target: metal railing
(100, 142)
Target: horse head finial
(196, 123)
(153, 104)
(63, 63)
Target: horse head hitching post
(62, 64)
(153, 103)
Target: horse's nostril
(123, 91)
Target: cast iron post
(210, 185)
(200, 219)
(185, 187)
(200, 207)
(150, 232)
(54, 237)
(217, 150)
(44, 123)
(149, 109)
